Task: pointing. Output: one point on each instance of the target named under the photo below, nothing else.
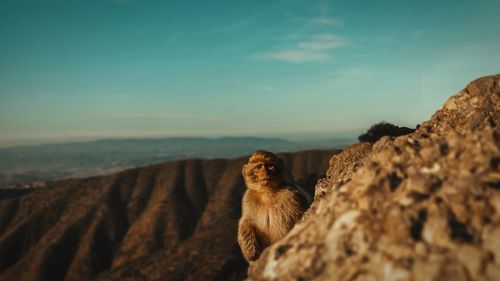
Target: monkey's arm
(247, 238)
(304, 200)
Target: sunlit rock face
(425, 206)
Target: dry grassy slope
(425, 206)
(174, 221)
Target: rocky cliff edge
(425, 206)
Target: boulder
(424, 206)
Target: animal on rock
(270, 205)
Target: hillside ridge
(170, 221)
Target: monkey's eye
(258, 166)
(270, 167)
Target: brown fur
(270, 206)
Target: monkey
(270, 205)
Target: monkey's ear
(244, 169)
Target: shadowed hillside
(173, 221)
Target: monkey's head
(264, 169)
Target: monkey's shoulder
(287, 194)
(294, 197)
(290, 192)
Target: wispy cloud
(324, 42)
(131, 115)
(269, 88)
(350, 77)
(317, 48)
(120, 1)
(418, 34)
(231, 27)
(296, 56)
(162, 116)
(291, 36)
(357, 73)
(323, 21)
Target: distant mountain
(172, 221)
(82, 159)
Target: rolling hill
(172, 221)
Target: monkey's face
(264, 169)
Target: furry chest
(273, 221)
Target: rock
(382, 129)
(425, 206)
(343, 165)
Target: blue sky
(78, 69)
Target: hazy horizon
(295, 137)
(79, 70)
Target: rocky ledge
(425, 206)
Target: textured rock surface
(425, 206)
(174, 221)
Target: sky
(85, 69)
